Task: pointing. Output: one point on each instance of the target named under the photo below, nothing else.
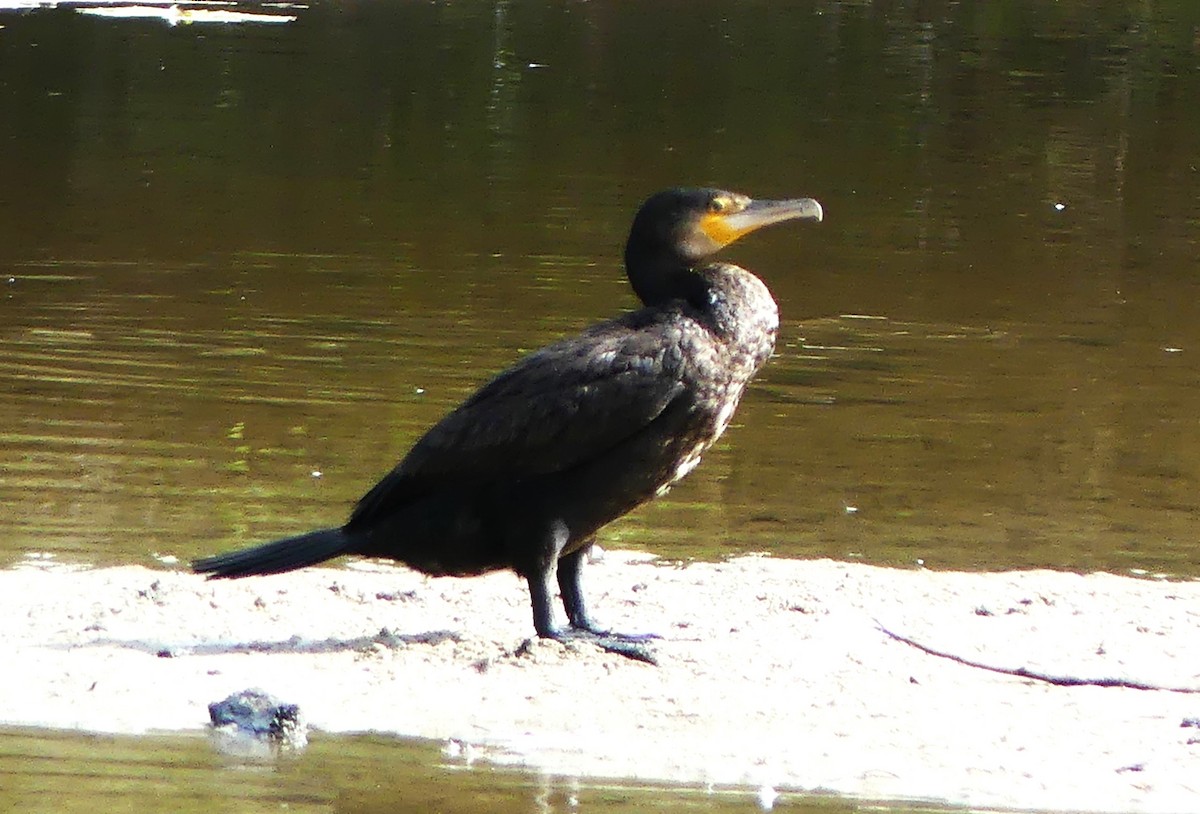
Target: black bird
(525, 472)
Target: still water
(67, 773)
(242, 268)
(237, 256)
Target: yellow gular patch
(716, 227)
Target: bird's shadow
(294, 645)
(634, 650)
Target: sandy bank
(772, 672)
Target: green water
(236, 256)
(243, 268)
(63, 773)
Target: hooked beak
(722, 228)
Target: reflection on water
(63, 773)
(243, 268)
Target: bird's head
(693, 223)
(677, 228)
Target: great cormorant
(525, 472)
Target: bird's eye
(718, 205)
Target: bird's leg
(541, 585)
(541, 591)
(570, 573)
(543, 607)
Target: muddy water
(64, 773)
(242, 268)
(234, 258)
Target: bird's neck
(658, 277)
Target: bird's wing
(553, 410)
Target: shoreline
(771, 672)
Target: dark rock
(252, 722)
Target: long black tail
(276, 557)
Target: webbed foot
(591, 627)
(631, 646)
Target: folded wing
(556, 409)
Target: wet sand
(772, 672)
